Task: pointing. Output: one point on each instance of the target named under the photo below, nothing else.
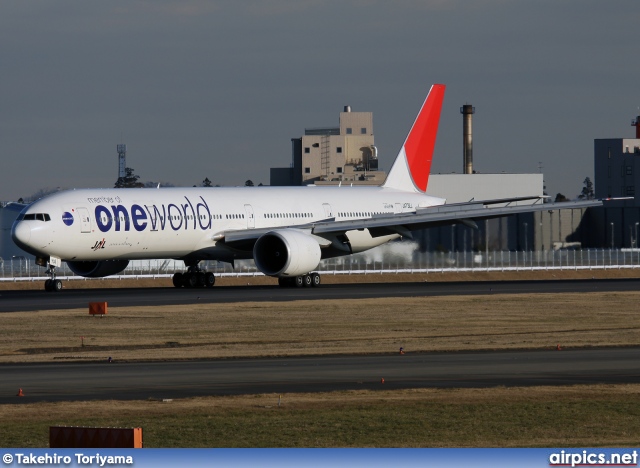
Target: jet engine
(286, 252)
(98, 269)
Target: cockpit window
(34, 217)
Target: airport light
(612, 236)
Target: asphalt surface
(160, 380)
(14, 301)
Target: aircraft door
(251, 220)
(328, 211)
(85, 220)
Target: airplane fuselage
(107, 224)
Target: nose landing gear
(52, 284)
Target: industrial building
(617, 167)
(334, 155)
(617, 174)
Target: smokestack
(467, 141)
(636, 123)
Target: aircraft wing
(403, 223)
(441, 215)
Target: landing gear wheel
(178, 280)
(52, 284)
(194, 277)
(202, 281)
(315, 280)
(299, 281)
(191, 280)
(209, 280)
(306, 279)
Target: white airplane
(287, 231)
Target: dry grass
(324, 327)
(599, 415)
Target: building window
(631, 191)
(363, 131)
(307, 170)
(349, 131)
(629, 170)
(307, 150)
(339, 149)
(339, 170)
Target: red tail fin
(413, 164)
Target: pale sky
(217, 89)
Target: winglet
(411, 168)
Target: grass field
(520, 417)
(323, 327)
(592, 416)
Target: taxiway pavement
(16, 301)
(178, 379)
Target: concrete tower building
(334, 155)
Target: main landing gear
(194, 277)
(307, 281)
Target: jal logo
(67, 218)
(98, 245)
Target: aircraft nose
(21, 234)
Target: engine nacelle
(286, 252)
(98, 269)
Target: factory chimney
(467, 142)
(636, 123)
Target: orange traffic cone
(558, 348)
(382, 380)
(20, 392)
